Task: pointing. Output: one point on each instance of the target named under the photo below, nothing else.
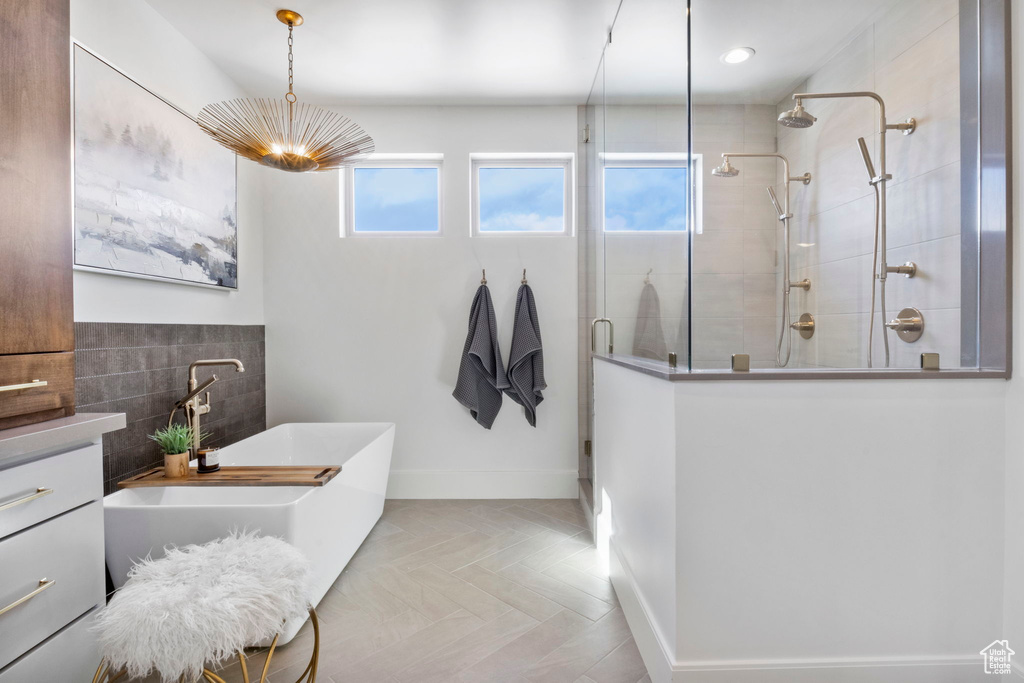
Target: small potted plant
(175, 441)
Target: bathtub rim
(112, 500)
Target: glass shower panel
(643, 178)
(804, 284)
(591, 245)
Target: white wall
(862, 544)
(372, 328)
(137, 40)
(1013, 599)
(826, 530)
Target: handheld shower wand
(775, 201)
(785, 331)
(873, 181)
(867, 159)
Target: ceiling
(793, 38)
(405, 51)
(517, 51)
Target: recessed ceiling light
(737, 55)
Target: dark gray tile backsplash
(142, 369)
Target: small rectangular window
(647, 193)
(393, 195)
(522, 194)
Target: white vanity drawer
(65, 482)
(71, 655)
(67, 550)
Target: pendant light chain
(291, 64)
(290, 97)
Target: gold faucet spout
(193, 383)
(193, 403)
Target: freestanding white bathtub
(327, 523)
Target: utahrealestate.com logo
(997, 657)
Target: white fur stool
(202, 604)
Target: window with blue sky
(645, 198)
(521, 199)
(396, 199)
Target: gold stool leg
(315, 657)
(105, 675)
(245, 669)
(309, 675)
(270, 655)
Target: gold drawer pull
(40, 492)
(43, 585)
(27, 385)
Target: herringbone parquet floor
(470, 592)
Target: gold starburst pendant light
(284, 134)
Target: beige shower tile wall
(735, 255)
(910, 57)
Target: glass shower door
(634, 214)
(643, 179)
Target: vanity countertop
(58, 433)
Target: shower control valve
(909, 325)
(805, 326)
(903, 324)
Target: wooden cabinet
(36, 401)
(36, 303)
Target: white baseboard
(662, 668)
(587, 512)
(483, 484)
(896, 669)
(652, 644)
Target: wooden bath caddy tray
(283, 475)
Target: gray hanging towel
(649, 340)
(481, 372)
(526, 359)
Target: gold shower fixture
(285, 134)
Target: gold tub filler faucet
(192, 403)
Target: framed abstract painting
(154, 195)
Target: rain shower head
(726, 170)
(797, 117)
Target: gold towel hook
(647, 278)
(483, 276)
(523, 281)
